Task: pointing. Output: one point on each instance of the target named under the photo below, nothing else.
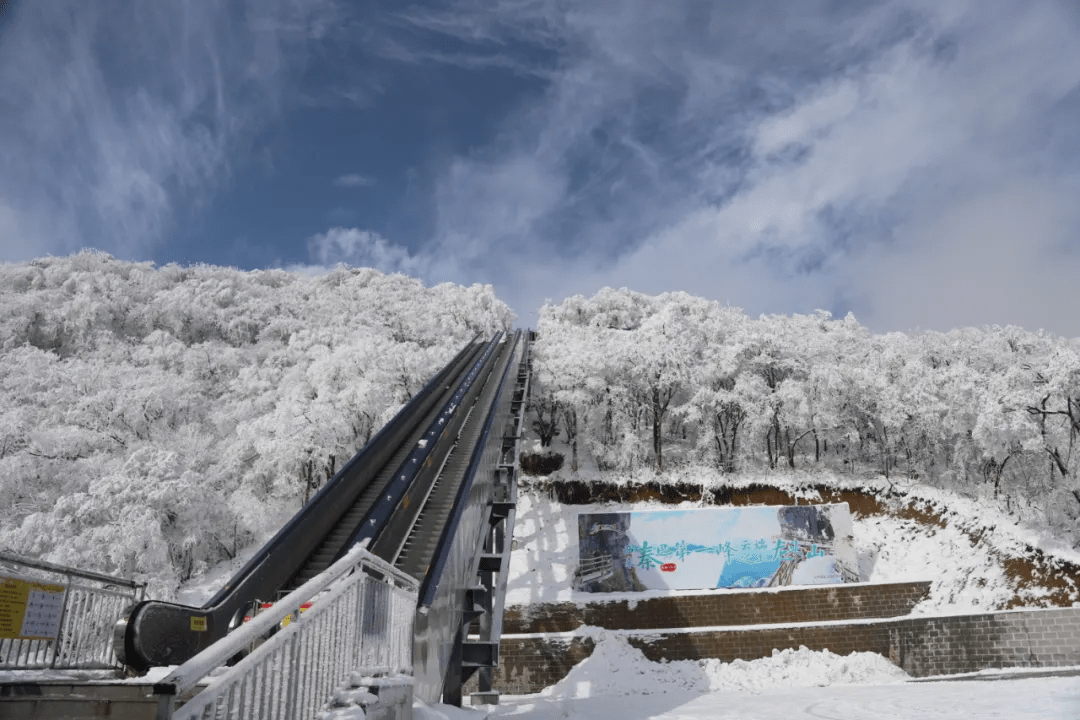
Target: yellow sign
(30, 609)
(198, 624)
(292, 616)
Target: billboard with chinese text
(739, 547)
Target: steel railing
(360, 622)
(92, 603)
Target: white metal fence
(360, 621)
(90, 606)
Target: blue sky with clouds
(916, 162)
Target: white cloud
(497, 200)
(808, 122)
(363, 248)
(780, 156)
(997, 257)
(785, 158)
(354, 180)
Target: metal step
(426, 533)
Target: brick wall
(966, 643)
(528, 665)
(922, 646)
(731, 607)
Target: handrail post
(63, 616)
(361, 595)
(291, 699)
(165, 705)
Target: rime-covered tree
(155, 420)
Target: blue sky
(916, 162)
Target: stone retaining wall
(730, 607)
(922, 646)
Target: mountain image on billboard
(746, 547)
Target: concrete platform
(78, 700)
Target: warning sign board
(30, 609)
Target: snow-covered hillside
(977, 561)
(155, 421)
(633, 383)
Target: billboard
(738, 547)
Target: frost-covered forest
(629, 381)
(154, 421)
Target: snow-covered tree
(992, 412)
(155, 420)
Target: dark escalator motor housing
(154, 634)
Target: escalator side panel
(427, 485)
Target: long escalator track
(397, 493)
(419, 547)
(409, 464)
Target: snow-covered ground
(617, 681)
(197, 591)
(1053, 698)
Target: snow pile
(800, 668)
(617, 668)
(1042, 698)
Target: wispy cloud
(911, 160)
(522, 36)
(354, 180)
(111, 118)
(784, 157)
(916, 188)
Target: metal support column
(494, 565)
